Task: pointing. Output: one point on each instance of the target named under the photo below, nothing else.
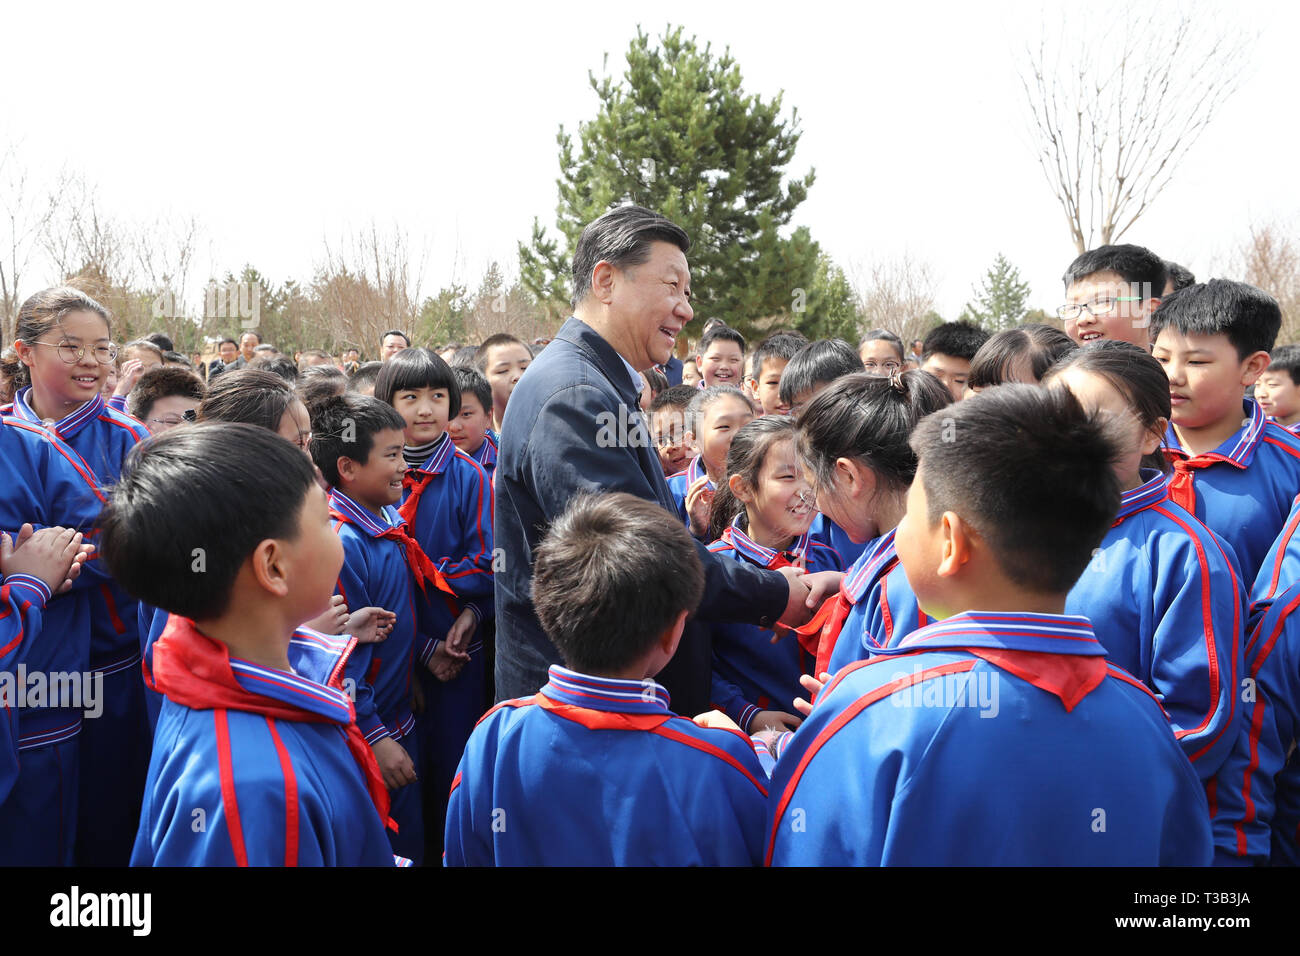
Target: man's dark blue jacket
(572, 425)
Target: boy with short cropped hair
(721, 359)
(164, 395)
(1278, 388)
(1085, 766)
(362, 381)
(257, 740)
(1233, 469)
(471, 430)
(502, 360)
(948, 351)
(357, 444)
(814, 367)
(595, 770)
(767, 363)
(1111, 293)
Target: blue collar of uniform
(1153, 490)
(1006, 630)
(442, 453)
(695, 471)
(869, 564)
(362, 517)
(291, 688)
(605, 693)
(487, 452)
(66, 427)
(756, 552)
(319, 657)
(1240, 446)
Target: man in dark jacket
(573, 426)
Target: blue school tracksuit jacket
(375, 573)
(1243, 489)
(1166, 602)
(253, 766)
(115, 746)
(750, 673)
(46, 483)
(875, 608)
(447, 502)
(987, 739)
(1281, 567)
(599, 772)
(825, 531)
(486, 456)
(1257, 790)
(22, 602)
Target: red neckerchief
(422, 567)
(818, 636)
(415, 487)
(1069, 677)
(1181, 487)
(194, 671)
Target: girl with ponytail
(760, 514)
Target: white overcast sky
(277, 125)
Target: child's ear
(347, 468)
(956, 544)
(267, 565)
(673, 636)
(1254, 367)
(740, 488)
(856, 480)
(1154, 436)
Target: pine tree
(679, 135)
(1000, 299)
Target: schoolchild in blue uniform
(47, 484)
(357, 444)
(853, 440)
(471, 430)
(810, 371)
(258, 759)
(760, 515)
(1233, 469)
(255, 397)
(32, 570)
(1162, 591)
(447, 504)
(1257, 790)
(894, 762)
(64, 339)
(714, 416)
(595, 770)
(1281, 567)
(1278, 388)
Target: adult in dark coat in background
(573, 426)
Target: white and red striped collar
(869, 564)
(1239, 448)
(567, 686)
(1006, 630)
(438, 458)
(757, 553)
(1153, 490)
(65, 427)
(360, 516)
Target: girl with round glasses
(64, 341)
